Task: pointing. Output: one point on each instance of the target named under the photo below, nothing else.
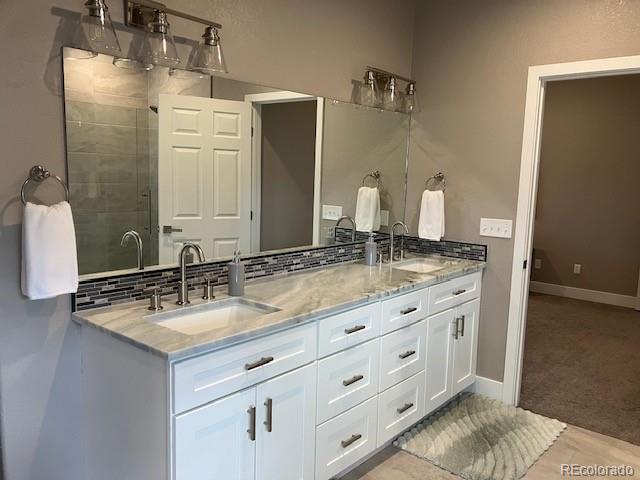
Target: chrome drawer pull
(407, 311)
(407, 354)
(259, 363)
(268, 423)
(252, 423)
(406, 407)
(460, 292)
(354, 438)
(352, 380)
(355, 329)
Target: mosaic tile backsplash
(102, 292)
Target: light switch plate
(495, 227)
(331, 212)
(384, 218)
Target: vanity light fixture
(208, 57)
(98, 29)
(159, 47)
(392, 98)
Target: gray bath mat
(479, 438)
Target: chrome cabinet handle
(269, 421)
(462, 318)
(352, 380)
(407, 354)
(355, 329)
(404, 408)
(349, 441)
(407, 311)
(166, 229)
(456, 326)
(460, 292)
(258, 363)
(252, 423)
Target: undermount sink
(211, 316)
(423, 265)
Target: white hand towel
(368, 209)
(49, 260)
(431, 222)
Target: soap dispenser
(370, 251)
(236, 276)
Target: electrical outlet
(495, 227)
(537, 264)
(331, 212)
(384, 218)
(577, 268)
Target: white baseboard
(584, 294)
(490, 388)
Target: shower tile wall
(107, 156)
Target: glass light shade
(208, 57)
(369, 94)
(411, 99)
(159, 47)
(98, 28)
(390, 96)
(78, 54)
(134, 59)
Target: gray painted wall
(327, 46)
(470, 59)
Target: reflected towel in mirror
(368, 209)
(49, 259)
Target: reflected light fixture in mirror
(159, 47)
(390, 96)
(369, 94)
(411, 99)
(134, 59)
(208, 57)
(98, 28)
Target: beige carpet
(582, 365)
(479, 438)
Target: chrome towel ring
(436, 180)
(40, 174)
(375, 175)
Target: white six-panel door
(212, 443)
(287, 451)
(204, 175)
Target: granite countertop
(301, 297)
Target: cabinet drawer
(454, 292)
(347, 378)
(348, 329)
(199, 380)
(402, 354)
(400, 407)
(343, 441)
(404, 310)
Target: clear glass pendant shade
(208, 57)
(369, 94)
(159, 47)
(390, 96)
(98, 29)
(134, 59)
(411, 99)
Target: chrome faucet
(136, 238)
(353, 226)
(183, 285)
(391, 240)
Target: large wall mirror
(177, 156)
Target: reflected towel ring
(375, 175)
(435, 180)
(40, 174)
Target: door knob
(170, 229)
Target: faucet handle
(155, 300)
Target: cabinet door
(440, 330)
(286, 426)
(213, 442)
(465, 348)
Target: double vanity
(302, 378)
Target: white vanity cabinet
(304, 403)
